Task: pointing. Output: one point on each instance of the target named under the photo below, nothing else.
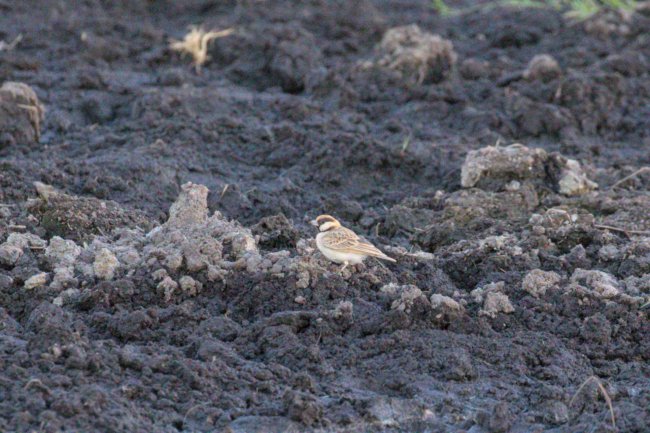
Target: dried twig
(603, 391)
(193, 408)
(627, 232)
(405, 144)
(224, 190)
(4, 46)
(196, 43)
(626, 178)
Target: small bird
(342, 245)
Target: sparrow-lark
(342, 245)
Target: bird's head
(325, 223)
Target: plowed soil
(292, 117)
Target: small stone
(62, 252)
(105, 264)
(278, 255)
(443, 302)
(25, 240)
(215, 273)
(300, 300)
(303, 280)
(242, 244)
(493, 167)
(537, 282)
(191, 206)
(174, 261)
(190, 285)
(479, 293)
(168, 287)
(37, 280)
(194, 261)
(419, 57)
(63, 277)
(159, 274)
(574, 181)
(10, 254)
(445, 309)
(513, 186)
(542, 67)
(408, 295)
(601, 283)
(496, 302)
(22, 112)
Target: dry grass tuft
(633, 175)
(603, 391)
(195, 43)
(8, 46)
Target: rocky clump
(16, 244)
(193, 241)
(37, 280)
(496, 302)
(542, 67)
(62, 255)
(79, 218)
(445, 309)
(419, 57)
(105, 264)
(493, 299)
(494, 168)
(599, 283)
(409, 295)
(21, 114)
(537, 282)
(191, 248)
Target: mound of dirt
(21, 114)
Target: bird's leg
(345, 265)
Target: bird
(342, 245)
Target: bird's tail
(380, 255)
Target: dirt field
(133, 299)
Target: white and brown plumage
(342, 245)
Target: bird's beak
(314, 223)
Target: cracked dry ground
(157, 271)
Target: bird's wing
(346, 241)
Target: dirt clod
(21, 114)
(418, 56)
(105, 264)
(542, 67)
(537, 282)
